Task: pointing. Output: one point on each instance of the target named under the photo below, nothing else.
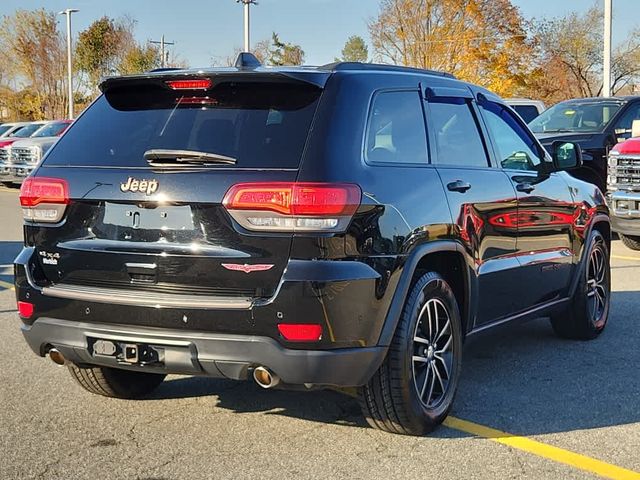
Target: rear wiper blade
(160, 156)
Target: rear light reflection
(300, 332)
(25, 309)
(44, 199)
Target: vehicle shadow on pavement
(9, 251)
(521, 379)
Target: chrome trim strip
(146, 299)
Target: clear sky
(208, 30)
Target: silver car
(23, 131)
(26, 154)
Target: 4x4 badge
(147, 187)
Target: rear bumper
(225, 339)
(625, 220)
(215, 355)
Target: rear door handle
(458, 186)
(525, 187)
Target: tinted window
(626, 122)
(4, 128)
(261, 125)
(515, 147)
(396, 132)
(458, 139)
(527, 112)
(26, 131)
(575, 117)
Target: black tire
(391, 400)
(632, 242)
(586, 316)
(116, 383)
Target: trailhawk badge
(147, 187)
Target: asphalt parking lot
(529, 406)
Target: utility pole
(247, 40)
(606, 70)
(162, 43)
(68, 13)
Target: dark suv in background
(341, 226)
(596, 124)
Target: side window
(396, 132)
(458, 140)
(623, 128)
(515, 147)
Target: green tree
(282, 53)
(102, 45)
(140, 58)
(355, 50)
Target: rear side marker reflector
(44, 199)
(294, 206)
(197, 84)
(300, 332)
(25, 309)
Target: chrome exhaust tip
(265, 377)
(57, 357)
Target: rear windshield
(260, 125)
(26, 131)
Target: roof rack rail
(346, 66)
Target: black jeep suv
(341, 226)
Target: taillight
(292, 207)
(300, 332)
(44, 199)
(195, 84)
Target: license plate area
(150, 217)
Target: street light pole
(68, 13)
(247, 42)
(606, 70)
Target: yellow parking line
(556, 454)
(619, 257)
(7, 285)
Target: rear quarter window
(261, 125)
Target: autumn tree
(355, 50)
(482, 41)
(283, 53)
(33, 54)
(575, 44)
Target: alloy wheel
(597, 289)
(432, 359)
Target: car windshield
(26, 131)
(576, 117)
(51, 130)
(4, 129)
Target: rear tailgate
(162, 230)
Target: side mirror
(635, 129)
(566, 155)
